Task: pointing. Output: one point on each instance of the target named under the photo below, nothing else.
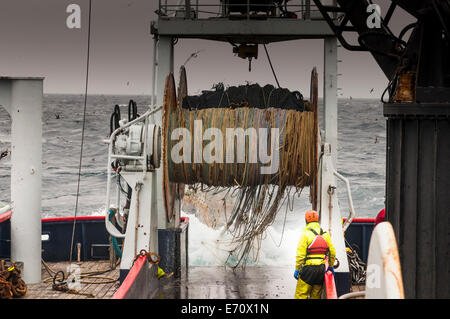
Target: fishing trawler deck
(212, 282)
(198, 282)
(202, 282)
(224, 283)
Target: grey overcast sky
(35, 41)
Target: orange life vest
(318, 246)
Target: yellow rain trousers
(303, 290)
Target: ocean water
(361, 158)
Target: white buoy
(22, 98)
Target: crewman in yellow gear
(314, 247)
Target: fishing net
(257, 196)
(252, 95)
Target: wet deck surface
(224, 283)
(97, 288)
(357, 288)
(202, 282)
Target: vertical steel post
(188, 9)
(22, 97)
(307, 10)
(155, 64)
(330, 95)
(165, 66)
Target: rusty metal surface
(169, 189)
(405, 88)
(391, 263)
(314, 103)
(179, 188)
(384, 275)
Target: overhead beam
(255, 31)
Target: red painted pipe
(330, 285)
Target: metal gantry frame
(167, 28)
(269, 30)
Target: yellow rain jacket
(306, 239)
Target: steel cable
(82, 130)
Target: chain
(152, 258)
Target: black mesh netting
(252, 95)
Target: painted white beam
(330, 96)
(142, 224)
(24, 96)
(330, 213)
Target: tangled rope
(11, 285)
(60, 285)
(59, 279)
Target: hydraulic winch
(134, 155)
(138, 140)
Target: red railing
(69, 219)
(6, 216)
